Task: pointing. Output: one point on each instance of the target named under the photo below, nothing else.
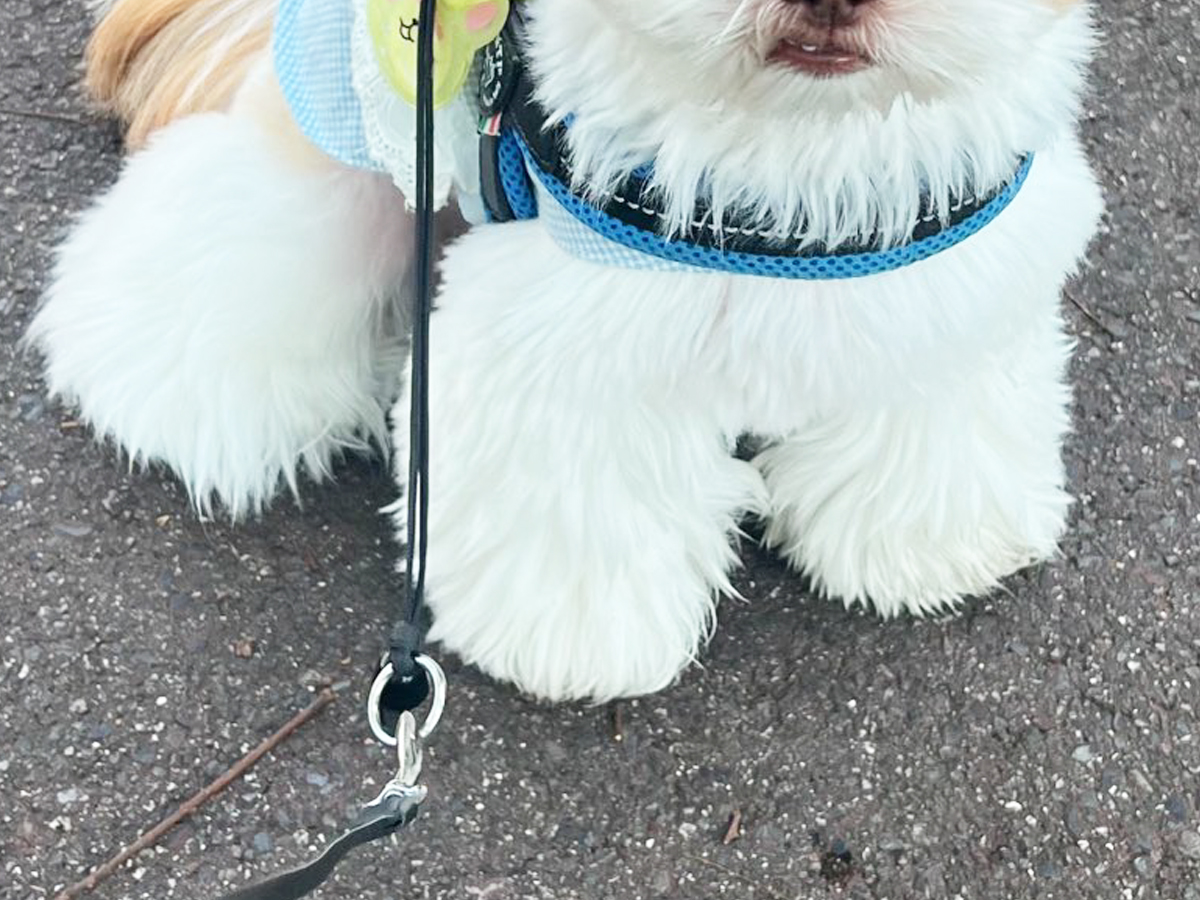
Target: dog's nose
(831, 12)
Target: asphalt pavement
(1042, 744)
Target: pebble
(311, 678)
(1177, 808)
(1111, 777)
(1189, 844)
(263, 843)
(31, 407)
(662, 882)
(1048, 868)
(71, 529)
(1075, 822)
(1083, 754)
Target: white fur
(239, 20)
(965, 87)
(225, 308)
(582, 491)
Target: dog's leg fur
(912, 505)
(224, 307)
(920, 453)
(582, 490)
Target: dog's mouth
(822, 53)
(823, 57)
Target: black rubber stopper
(402, 695)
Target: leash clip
(408, 740)
(409, 752)
(395, 807)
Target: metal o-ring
(437, 687)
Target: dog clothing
(517, 166)
(325, 62)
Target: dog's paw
(587, 566)
(595, 639)
(865, 540)
(571, 597)
(860, 556)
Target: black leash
(378, 819)
(406, 676)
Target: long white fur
(228, 307)
(223, 310)
(845, 156)
(583, 495)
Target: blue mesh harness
(526, 173)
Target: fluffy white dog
(229, 308)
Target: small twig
(733, 830)
(616, 721)
(42, 114)
(155, 834)
(771, 892)
(1090, 316)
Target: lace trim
(390, 126)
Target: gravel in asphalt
(1042, 744)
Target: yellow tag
(463, 27)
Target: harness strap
(523, 156)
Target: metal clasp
(409, 753)
(408, 737)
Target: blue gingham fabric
(579, 240)
(311, 47)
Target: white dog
(228, 307)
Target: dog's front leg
(914, 503)
(582, 491)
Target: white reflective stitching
(750, 232)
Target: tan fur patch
(151, 61)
